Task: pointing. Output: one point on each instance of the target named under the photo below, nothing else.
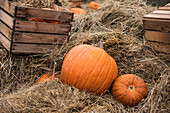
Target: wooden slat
(158, 16)
(7, 6)
(44, 14)
(5, 42)
(161, 12)
(161, 47)
(5, 30)
(42, 27)
(32, 48)
(157, 36)
(155, 24)
(39, 38)
(6, 18)
(164, 8)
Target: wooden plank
(157, 36)
(161, 12)
(157, 16)
(44, 14)
(160, 47)
(155, 24)
(6, 18)
(40, 27)
(5, 42)
(164, 8)
(5, 30)
(39, 38)
(32, 48)
(7, 6)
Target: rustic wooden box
(76, 3)
(157, 30)
(20, 35)
(72, 3)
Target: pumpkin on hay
(78, 11)
(89, 68)
(46, 77)
(129, 89)
(93, 5)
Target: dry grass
(119, 26)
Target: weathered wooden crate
(157, 2)
(157, 30)
(72, 3)
(76, 3)
(18, 34)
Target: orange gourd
(129, 89)
(89, 68)
(78, 11)
(46, 77)
(93, 5)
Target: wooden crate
(18, 34)
(157, 2)
(76, 3)
(157, 30)
(72, 3)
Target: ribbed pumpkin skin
(89, 68)
(129, 97)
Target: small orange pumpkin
(78, 11)
(94, 5)
(89, 68)
(129, 89)
(46, 77)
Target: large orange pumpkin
(93, 5)
(46, 77)
(129, 89)
(89, 68)
(78, 11)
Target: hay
(119, 26)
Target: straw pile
(119, 26)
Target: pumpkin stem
(131, 88)
(100, 43)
